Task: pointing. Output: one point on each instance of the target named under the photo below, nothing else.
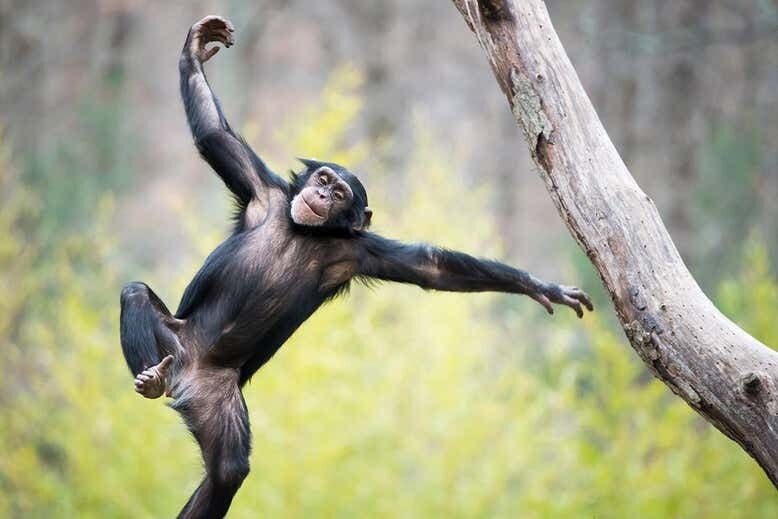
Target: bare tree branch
(719, 370)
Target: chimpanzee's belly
(251, 294)
(266, 320)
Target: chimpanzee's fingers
(217, 23)
(584, 298)
(155, 373)
(229, 38)
(543, 300)
(210, 53)
(577, 293)
(574, 304)
(580, 295)
(221, 35)
(211, 21)
(164, 365)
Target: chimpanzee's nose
(322, 193)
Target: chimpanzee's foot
(151, 382)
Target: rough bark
(719, 370)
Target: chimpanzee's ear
(368, 215)
(362, 221)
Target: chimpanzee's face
(324, 197)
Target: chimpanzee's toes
(150, 383)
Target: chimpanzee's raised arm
(244, 173)
(440, 269)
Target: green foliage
(325, 134)
(391, 403)
(753, 298)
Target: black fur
(260, 285)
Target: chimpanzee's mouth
(311, 209)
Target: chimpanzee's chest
(284, 274)
(283, 280)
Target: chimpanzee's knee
(139, 326)
(134, 292)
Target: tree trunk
(719, 370)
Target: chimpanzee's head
(329, 196)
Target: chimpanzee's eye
(338, 195)
(323, 180)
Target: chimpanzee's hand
(207, 30)
(562, 295)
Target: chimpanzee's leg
(148, 338)
(214, 410)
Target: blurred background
(392, 402)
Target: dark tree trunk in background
(376, 18)
(719, 370)
(618, 91)
(682, 141)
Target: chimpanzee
(295, 246)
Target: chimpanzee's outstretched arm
(244, 173)
(439, 269)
